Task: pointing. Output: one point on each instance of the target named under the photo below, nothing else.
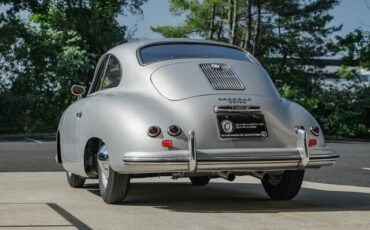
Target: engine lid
(190, 79)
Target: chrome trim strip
(264, 151)
(325, 157)
(155, 159)
(155, 163)
(249, 159)
(237, 109)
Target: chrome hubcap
(103, 164)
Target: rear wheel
(75, 181)
(283, 186)
(112, 185)
(199, 180)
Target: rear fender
(299, 116)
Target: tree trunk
(212, 25)
(220, 31)
(93, 17)
(248, 28)
(229, 17)
(69, 14)
(242, 40)
(234, 22)
(258, 28)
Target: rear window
(164, 52)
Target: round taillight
(315, 130)
(154, 131)
(174, 130)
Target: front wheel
(283, 186)
(112, 185)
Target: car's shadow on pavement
(236, 198)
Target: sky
(155, 13)
(350, 13)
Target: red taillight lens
(174, 130)
(312, 142)
(154, 131)
(167, 143)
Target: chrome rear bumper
(213, 160)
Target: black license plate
(242, 125)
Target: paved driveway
(34, 194)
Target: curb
(344, 139)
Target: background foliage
(288, 37)
(48, 45)
(57, 46)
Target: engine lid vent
(221, 77)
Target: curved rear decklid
(206, 77)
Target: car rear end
(230, 116)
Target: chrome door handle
(79, 115)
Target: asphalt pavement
(28, 156)
(352, 168)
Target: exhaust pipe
(227, 176)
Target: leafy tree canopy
(283, 34)
(46, 46)
(355, 50)
(287, 36)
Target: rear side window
(162, 52)
(113, 74)
(99, 76)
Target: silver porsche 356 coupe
(186, 108)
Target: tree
(286, 36)
(283, 34)
(57, 45)
(353, 107)
(355, 50)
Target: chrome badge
(215, 66)
(235, 100)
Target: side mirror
(78, 90)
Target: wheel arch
(59, 152)
(91, 149)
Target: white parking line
(335, 187)
(366, 168)
(33, 140)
